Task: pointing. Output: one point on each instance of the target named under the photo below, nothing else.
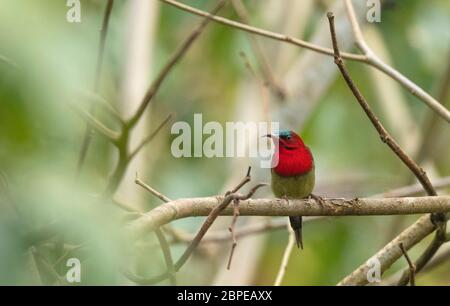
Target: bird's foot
(285, 197)
(318, 199)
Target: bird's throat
(294, 162)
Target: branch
(414, 189)
(176, 57)
(149, 138)
(212, 216)
(167, 256)
(426, 256)
(391, 252)
(243, 231)
(151, 190)
(259, 51)
(412, 267)
(233, 231)
(432, 127)
(261, 32)
(95, 124)
(262, 227)
(437, 219)
(369, 58)
(99, 100)
(284, 262)
(384, 135)
(373, 60)
(101, 50)
(195, 207)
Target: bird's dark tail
(296, 224)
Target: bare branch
(192, 207)
(99, 100)
(285, 260)
(212, 216)
(176, 57)
(167, 256)
(101, 50)
(233, 232)
(414, 189)
(261, 32)
(426, 256)
(95, 124)
(266, 70)
(372, 59)
(149, 138)
(412, 267)
(151, 190)
(420, 174)
(432, 127)
(244, 181)
(391, 252)
(384, 135)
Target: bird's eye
(288, 137)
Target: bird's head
(293, 157)
(286, 141)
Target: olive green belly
(296, 187)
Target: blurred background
(49, 214)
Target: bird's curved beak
(273, 137)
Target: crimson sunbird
(293, 176)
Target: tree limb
(195, 207)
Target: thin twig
(412, 267)
(99, 100)
(151, 190)
(431, 126)
(246, 230)
(233, 231)
(149, 138)
(37, 255)
(210, 220)
(414, 189)
(426, 256)
(101, 51)
(285, 260)
(167, 256)
(96, 125)
(266, 70)
(244, 181)
(263, 87)
(176, 57)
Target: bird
(293, 173)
